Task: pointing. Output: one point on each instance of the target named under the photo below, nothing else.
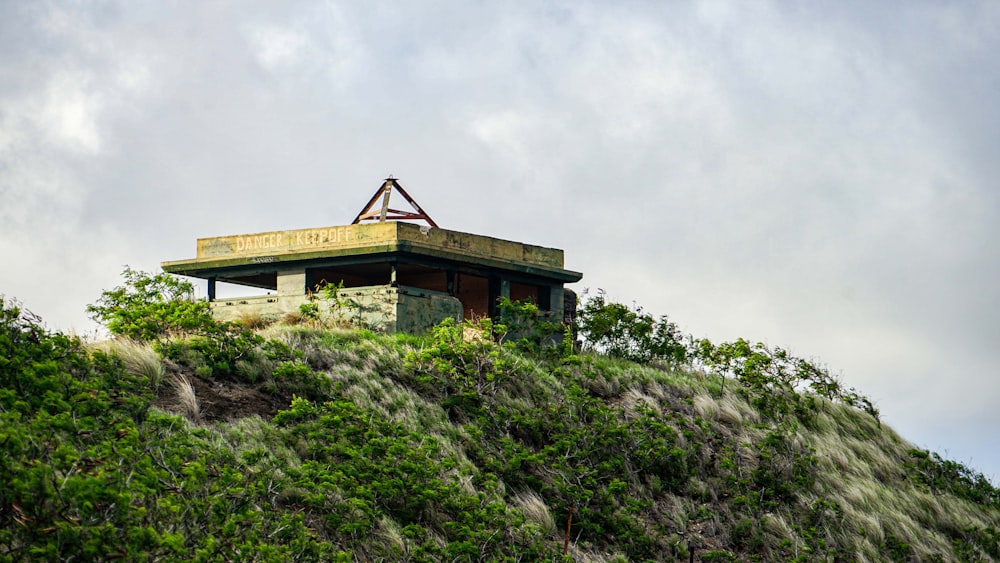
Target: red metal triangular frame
(371, 212)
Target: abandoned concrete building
(396, 276)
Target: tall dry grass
(533, 506)
(186, 399)
(139, 358)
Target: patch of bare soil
(219, 399)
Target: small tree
(629, 332)
(151, 307)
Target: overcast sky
(820, 176)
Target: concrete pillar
(310, 281)
(292, 282)
(211, 289)
(498, 287)
(556, 302)
(393, 281)
(569, 307)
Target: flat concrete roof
(366, 243)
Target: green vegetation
(149, 307)
(629, 332)
(476, 442)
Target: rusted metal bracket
(383, 213)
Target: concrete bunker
(398, 276)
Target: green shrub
(530, 330)
(217, 351)
(298, 378)
(151, 307)
(629, 332)
(374, 468)
(463, 359)
(774, 380)
(897, 549)
(942, 475)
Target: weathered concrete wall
(557, 296)
(478, 245)
(330, 242)
(391, 309)
(350, 236)
(417, 310)
(292, 282)
(293, 241)
(270, 307)
(475, 268)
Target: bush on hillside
(151, 307)
(531, 330)
(455, 447)
(776, 379)
(159, 307)
(629, 333)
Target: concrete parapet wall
(269, 249)
(381, 307)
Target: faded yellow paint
(277, 246)
(291, 241)
(478, 245)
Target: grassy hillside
(315, 443)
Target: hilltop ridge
(310, 442)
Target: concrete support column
(310, 281)
(292, 282)
(544, 299)
(569, 307)
(211, 289)
(556, 303)
(498, 287)
(393, 280)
